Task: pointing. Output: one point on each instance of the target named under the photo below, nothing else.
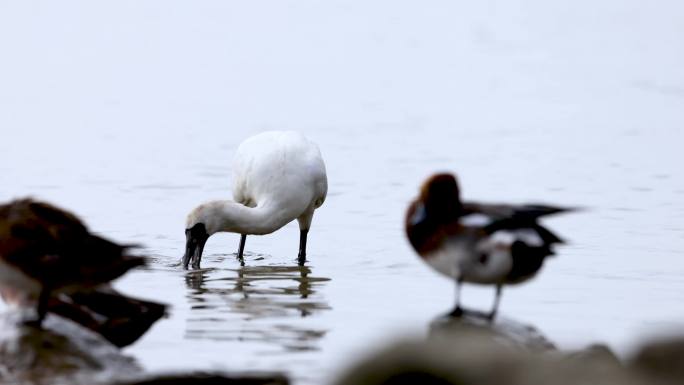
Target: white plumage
(278, 176)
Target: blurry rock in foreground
(210, 379)
(662, 359)
(466, 352)
(62, 352)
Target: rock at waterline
(468, 351)
(502, 330)
(62, 352)
(210, 379)
(662, 359)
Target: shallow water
(129, 116)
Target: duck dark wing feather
(101, 260)
(527, 260)
(512, 217)
(531, 242)
(519, 212)
(55, 247)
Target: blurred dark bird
(49, 259)
(492, 244)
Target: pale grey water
(129, 113)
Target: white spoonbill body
(278, 176)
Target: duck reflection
(479, 324)
(256, 304)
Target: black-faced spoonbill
(278, 176)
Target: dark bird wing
(514, 217)
(55, 248)
(529, 242)
(520, 212)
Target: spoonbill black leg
(302, 246)
(241, 248)
(458, 310)
(497, 299)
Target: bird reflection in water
(476, 324)
(259, 304)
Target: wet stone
(210, 379)
(467, 351)
(61, 352)
(663, 359)
(502, 330)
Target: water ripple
(256, 304)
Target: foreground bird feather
(49, 259)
